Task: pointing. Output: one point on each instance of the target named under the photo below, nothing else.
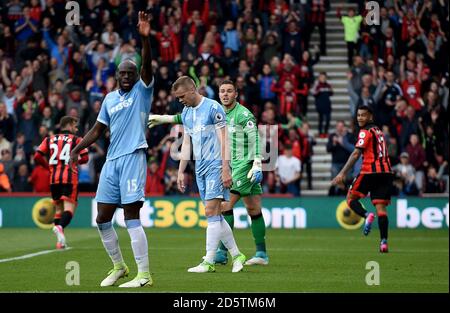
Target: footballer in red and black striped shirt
(375, 176)
(54, 153)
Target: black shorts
(379, 185)
(65, 192)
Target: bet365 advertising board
(185, 212)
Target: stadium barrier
(29, 210)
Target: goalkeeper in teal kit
(246, 169)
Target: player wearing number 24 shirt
(375, 176)
(54, 154)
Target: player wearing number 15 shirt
(375, 176)
(54, 154)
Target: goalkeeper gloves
(155, 119)
(255, 174)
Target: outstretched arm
(144, 31)
(155, 119)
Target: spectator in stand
(25, 27)
(292, 38)
(308, 142)
(289, 172)
(417, 159)
(5, 185)
(409, 126)
(155, 183)
(4, 143)
(340, 145)
(352, 24)
(40, 179)
(316, 12)
(433, 184)
(288, 70)
(169, 50)
(270, 46)
(322, 92)
(288, 98)
(7, 125)
(405, 176)
(230, 37)
(411, 88)
(390, 93)
(265, 81)
(21, 183)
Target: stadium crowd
(399, 67)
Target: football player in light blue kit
(122, 180)
(204, 123)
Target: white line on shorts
(32, 255)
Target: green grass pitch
(312, 260)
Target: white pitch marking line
(31, 255)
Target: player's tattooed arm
(144, 31)
(89, 139)
(339, 179)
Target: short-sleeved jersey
(126, 115)
(201, 123)
(375, 156)
(244, 136)
(57, 149)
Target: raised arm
(144, 31)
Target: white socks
(227, 238)
(110, 242)
(138, 244)
(213, 232)
(219, 230)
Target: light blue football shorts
(210, 185)
(122, 180)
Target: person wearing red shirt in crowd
(288, 97)
(315, 17)
(40, 179)
(169, 49)
(409, 22)
(54, 153)
(195, 19)
(411, 91)
(375, 176)
(288, 70)
(417, 158)
(35, 10)
(279, 7)
(295, 141)
(155, 176)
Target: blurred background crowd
(399, 67)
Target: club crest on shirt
(219, 117)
